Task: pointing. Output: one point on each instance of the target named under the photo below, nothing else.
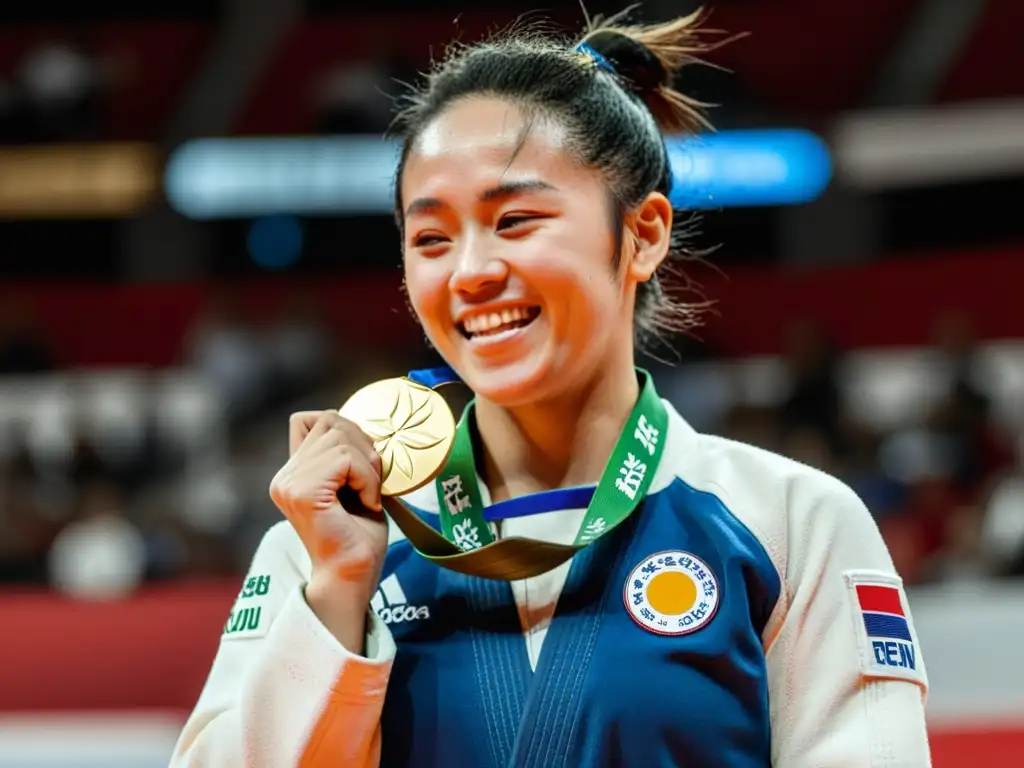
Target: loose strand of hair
(677, 44)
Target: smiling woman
(518, 223)
(563, 122)
(586, 580)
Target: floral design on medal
(411, 426)
(402, 431)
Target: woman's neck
(558, 443)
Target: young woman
(724, 606)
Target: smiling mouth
(493, 323)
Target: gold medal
(411, 426)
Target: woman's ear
(649, 227)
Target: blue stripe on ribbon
(887, 625)
(523, 506)
(433, 377)
(538, 503)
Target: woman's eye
(507, 222)
(422, 241)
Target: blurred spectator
(257, 365)
(165, 534)
(813, 401)
(25, 533)
(225, 347)
(298, 346)
(1001, 531)
(22, 346)
(359, 96)
(880, 492)
(809, 446)
(955, 352)
(754, 426)
(56, 94)
(963, 415)
(101, 554)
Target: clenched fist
(327, 454)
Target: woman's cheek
(431, 304)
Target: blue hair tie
(600, 60)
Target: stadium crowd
(107, 487)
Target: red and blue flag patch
(883, 612)
(886, 640)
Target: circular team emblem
(671, 593)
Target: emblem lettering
(647, 434)
(255, 586)
(671, 593)
(243, 620)
(894, 654)
(455, 500)
(593, 529)
(467, 535)
(399, 613)
(632, 474)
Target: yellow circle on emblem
(671, 593)
(411, 426)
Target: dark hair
(615, 100)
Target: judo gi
(746, 615)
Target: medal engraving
(411, 426)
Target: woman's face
(508, 250)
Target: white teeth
(490, 322)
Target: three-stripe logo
(390, 603)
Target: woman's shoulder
(787, 505)
(746, 473)
(803, 509)
(765, 471)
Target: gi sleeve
(282, 690)
(846, 680)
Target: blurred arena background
(167, 300)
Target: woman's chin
(510, 383)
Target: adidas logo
(389, 603)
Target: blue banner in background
(783, 166)
(352, 175)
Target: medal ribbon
(466, 543)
